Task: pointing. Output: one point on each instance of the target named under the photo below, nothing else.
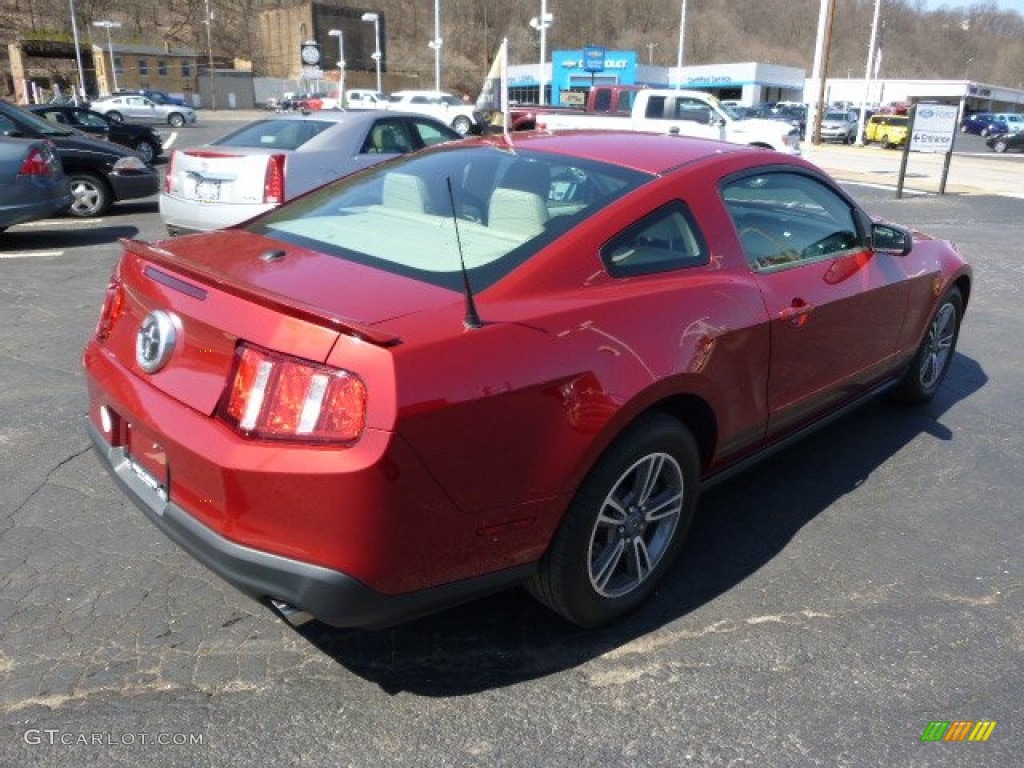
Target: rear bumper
(135, 184)
(330, 595)
(182, 216)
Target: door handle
(797, 312)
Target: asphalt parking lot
(831, 602)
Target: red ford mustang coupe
(488, 364)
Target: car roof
(652, 153)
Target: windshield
(285, 133)
(399, 216)
(36, 124)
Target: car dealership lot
(830, 603)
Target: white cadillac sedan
(262, 164)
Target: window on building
(186, 69)
(143, 67)
(161, 68)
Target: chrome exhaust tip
(294, 616)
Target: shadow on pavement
(741, 525)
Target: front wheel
(1000, 146)
(931, 363)
(90, 196)
(115, 117)
(176, 119)
(627, 521)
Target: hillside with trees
(979, 42)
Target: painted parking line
(29, 254)
(76, 223)
(169, 142)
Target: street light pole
(340, 34)
(541, 24)
(109, 25)
(375, 18)
(436, 45)
(78, 55)
(209, 51)
(682, 44)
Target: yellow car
(887, 130)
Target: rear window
(424, 215)
(275, 134)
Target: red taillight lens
(113, 306)
(279, 397)
(273, 183)
(36, 164)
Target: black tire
(1000, 146)
(462, 125)
(886, 144)
(91, 196)
(146, 150)
(931, 363)
(624, 526)
(984, 132)
(115, 117)
(176, 119)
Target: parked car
(142, 138)
(1006, 142)
(463, 117)
(160, 97)
(887, 130)
(1004, 122)
(378, 400)
(129, 107)
(976, 123)
(101, 172)
(33, 184)
(795, 115)
(262, 164)
(364, 98)
(839, 125)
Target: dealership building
(746, 83)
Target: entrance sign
(934, 128)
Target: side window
(602, 100)
(693, 111)
(655, 107)
(665, 240)
(786, 219)
(429, 133)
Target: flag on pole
(493, 99)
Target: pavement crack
(45, 481)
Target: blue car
(992, 123)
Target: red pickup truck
(601, 99)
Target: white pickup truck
(686, 113)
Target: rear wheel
(627, 521)
(1000, 146)
(886, 144)
(146, 151)
(90, 196)
(930, 364)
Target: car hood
(296, 280)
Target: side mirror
(888, 238)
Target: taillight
(169, 176)
(279, 397)
(113, 306)
(36, 164)
(273, 182)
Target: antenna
(472, 319)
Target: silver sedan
(32, 181)
(262, 164)
(139, 109)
